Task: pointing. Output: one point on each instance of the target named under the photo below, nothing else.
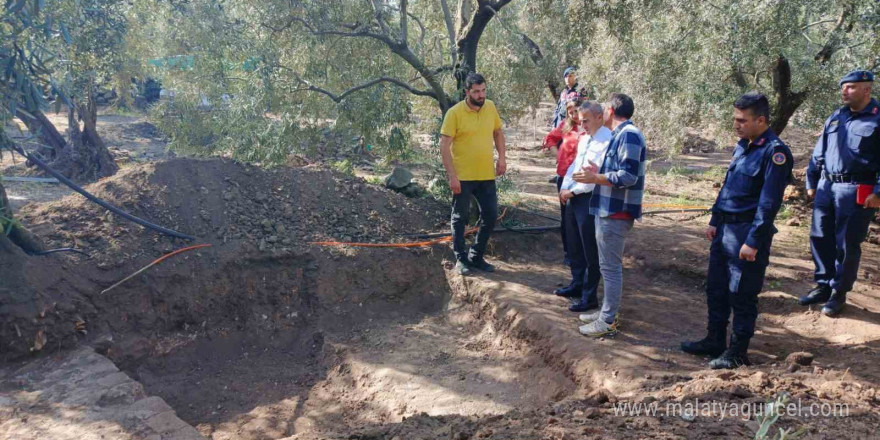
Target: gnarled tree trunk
(85, 157)
(52, 141)
(787, 102)
(12, 232)
(469, 33)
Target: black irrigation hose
(98, 201)
(52, 251)
(528, 230)
(534, 229)
(538, 214)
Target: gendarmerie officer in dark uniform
(741, 230)
(847, 156)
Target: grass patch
(375, 180)
(716, 172)
(681, 170)
(344, 166)
(682, 200)
(785, 213)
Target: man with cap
(741, 230)
(569, 93)
(843, 178)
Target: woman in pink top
(563, 140)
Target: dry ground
(319, 343)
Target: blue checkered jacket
(624, 166)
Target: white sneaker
(598, 328)
(590, 317)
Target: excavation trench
(328, 342)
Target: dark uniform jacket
(849, 145)
(755, 182)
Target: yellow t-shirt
(472, 141)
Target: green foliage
(685, 201)
(681, 170)
(508, 190)
(344, 166)
(25, 57)
(771, 414)
(374, 180)
(716, 172)
(438, 188)
(239, 130)
(7, 222)
(286, 67)
(785, 213)
(398, 148)
(684, 63)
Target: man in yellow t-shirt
(470, 128)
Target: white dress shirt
(590, 148)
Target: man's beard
(474, 103)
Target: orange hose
(673, 206)
(179, 251)
(155, 262)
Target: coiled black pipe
(98, 201)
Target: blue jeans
(487, 199)
(611, 237)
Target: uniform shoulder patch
(779, 158)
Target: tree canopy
(277, 74)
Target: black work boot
(835, 304)
(818, 295)
(713, 344)
(570, 291)
(735, 355)
(481, 264)
(583, 306)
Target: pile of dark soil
(220, 201)
(260, 273)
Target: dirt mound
(260, 272)
(221, 201)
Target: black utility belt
(738, 217)
(870, 179)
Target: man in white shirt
(579, 224)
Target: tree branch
(339, 98)
(404, 32)
(399, 48)
(356, 30)
(827, 20)
(527, 43)
(380, 16)
(450, 29)
(833, 44)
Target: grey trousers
(611, 236)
